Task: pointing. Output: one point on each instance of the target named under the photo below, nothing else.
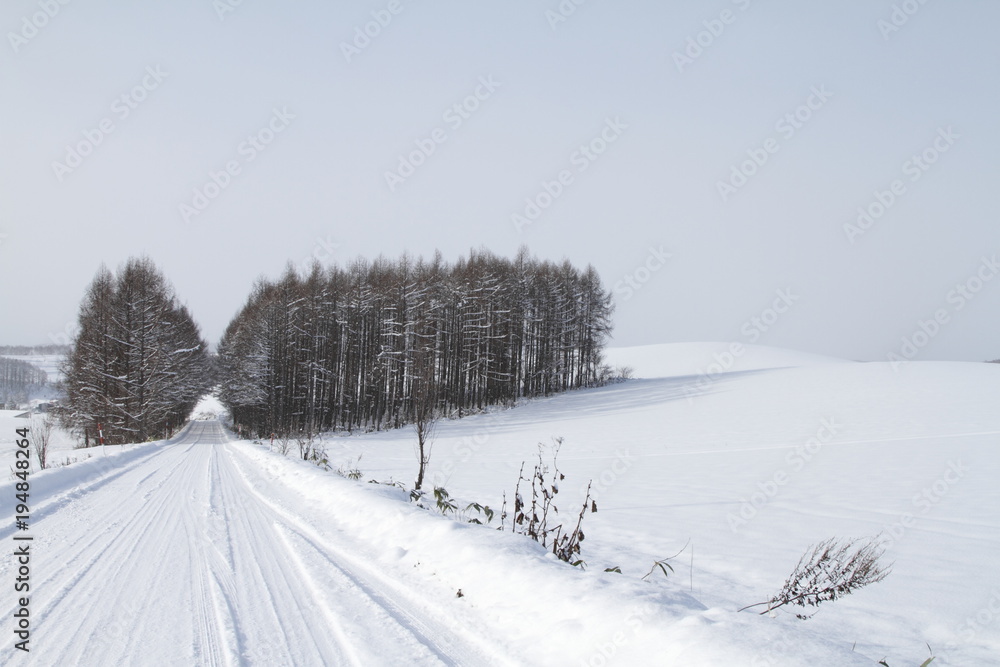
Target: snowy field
(682, 454)
(61, 443)
(208, 550)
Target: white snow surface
(707, 359)
(209, 407)
(209, 550)
(61, 443)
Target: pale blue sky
(320, 187)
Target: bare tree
(424, 412)
(41, 434)
(424, 427)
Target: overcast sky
(708, 158)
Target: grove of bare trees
(380, 344)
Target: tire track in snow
(345, 642)
(64, 499)
(211, 612)
(450, 643)
(109, 556)
(102, 554)
(280, 630)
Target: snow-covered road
(184, 556)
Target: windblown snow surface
(210, 550)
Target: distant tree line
(380, 344)
(33, 350)
(138, 364)
(18, 381)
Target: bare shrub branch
(534, 520)
(828, 571)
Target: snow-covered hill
(707, 360)
(754, 465)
